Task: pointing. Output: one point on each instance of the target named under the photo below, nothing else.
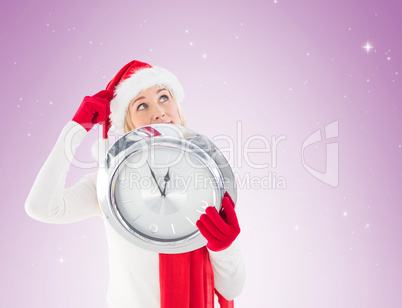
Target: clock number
(174, 232)
(153, 228)
(203, 206)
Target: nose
(159, 113)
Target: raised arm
(49, 200)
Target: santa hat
(133, 78)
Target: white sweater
(134, 272)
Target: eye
(163, 98)
(142, 106)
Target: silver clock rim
(123, 149)
(210, 164)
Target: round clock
(155, 183)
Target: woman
(140, 95)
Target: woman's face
(154, 105)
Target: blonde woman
(215, 274)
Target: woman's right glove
(94, 109)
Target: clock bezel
(161, 135)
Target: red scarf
(187, 281)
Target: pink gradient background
(286, 68)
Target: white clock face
(155, 183)
(161, 191)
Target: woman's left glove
(220, 229)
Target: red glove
(94, 109)
(221, 229)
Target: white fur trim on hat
(139, 81)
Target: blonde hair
(128, 125)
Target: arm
(221, 230)
(48, 200)
(229, 270)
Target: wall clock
(155, 183)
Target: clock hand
(153, 175)
(166, 179)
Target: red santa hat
(133, 78)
